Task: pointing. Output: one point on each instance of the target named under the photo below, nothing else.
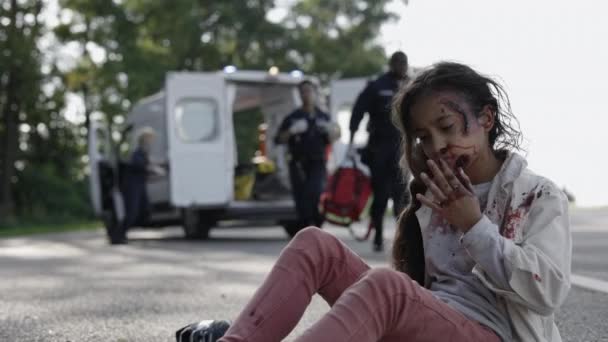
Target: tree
(142, 40)
(19, 83)
(338, 38)
(40, 151)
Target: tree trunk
(10, 112)
(87, 112)
(85, 85)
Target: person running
(382, 150)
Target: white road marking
(589, 228)
(589, 283)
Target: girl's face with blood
(445, 126)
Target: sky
(551, 57)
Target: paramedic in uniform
(308, 132)
(134, 185)
(382, 150)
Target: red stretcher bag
(348, 192)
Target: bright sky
(551, 56)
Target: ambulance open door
(200, 140)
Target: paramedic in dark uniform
(308, 132)
(382, 150)
(134, 185)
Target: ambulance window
(196, 119)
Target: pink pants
(366, 304)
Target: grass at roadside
(21, 229)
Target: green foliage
(42, 195)
(44, 227)
(338, 38)
(41, 152)
(50, 183)
(246, 124)
(145, 39)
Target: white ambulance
(197, 140)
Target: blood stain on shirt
(514, 217)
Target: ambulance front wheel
(196, 225)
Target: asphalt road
(74, 287)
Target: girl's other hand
(452, 196)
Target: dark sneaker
(378, 247)
(204, 331)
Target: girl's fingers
(428, 202)
(466, 180)
(430, 184)
(454, 182)
(439, 177)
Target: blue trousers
(307, 183)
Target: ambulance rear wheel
(196, 226)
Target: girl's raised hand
(452, 196)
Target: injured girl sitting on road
(482, 253)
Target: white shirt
(449, 267)
(526, 217)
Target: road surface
(74, 287)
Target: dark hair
(479, 91)
(305, 82)
(397, 55)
